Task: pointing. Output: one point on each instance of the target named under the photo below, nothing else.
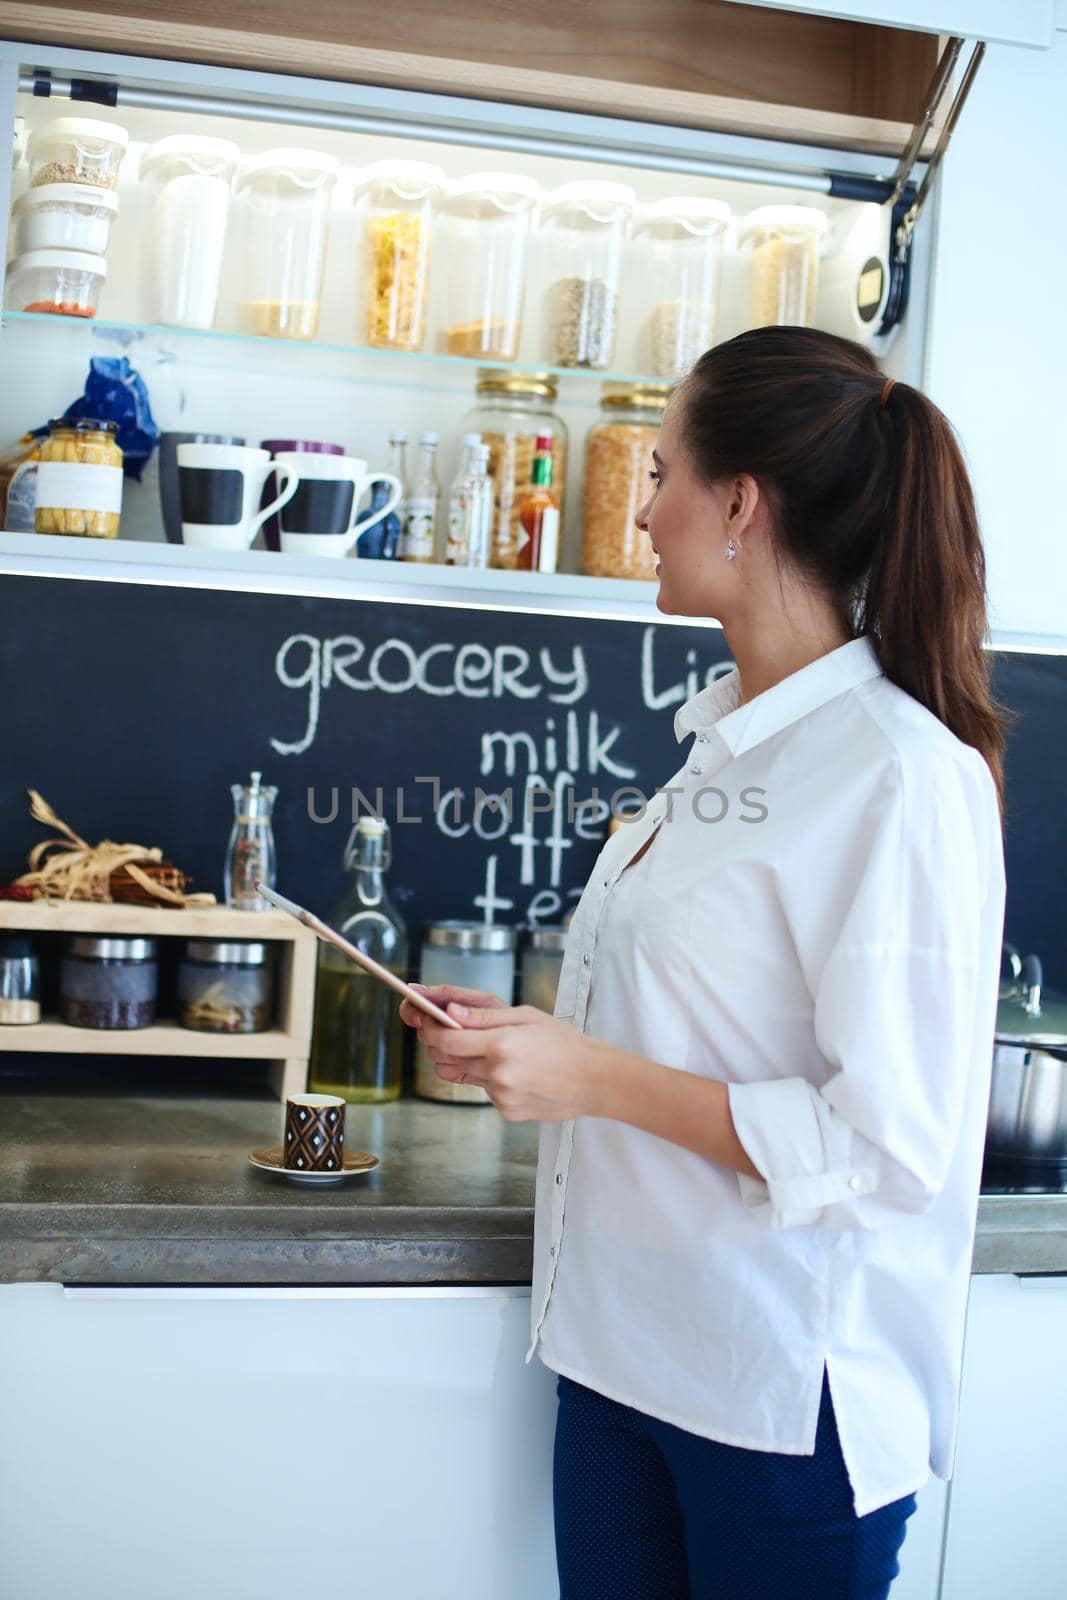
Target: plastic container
(397, 202)
(64, 216)
(618, 459)
(282, 218)
(20, 982)
(192, 177)
(583, 227)
(66, 283)
(781, 246)
(675, 265)
(109, 983)
(514, 409)
(473, 955)
(226, 986)
(542, 958)
(77, 150)
(483, 233)
(79, 479)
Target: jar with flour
(192, 177)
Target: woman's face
(689, 523)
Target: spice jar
(226, 986)
(583, 228)
(483, 232)
(282, 215)
(473, 955)
(397, 202)
(20, 980)
(781, 245)
(64, 216)
(675, 260)
(618, 460)
(64, 283)
(542, 959)
(516, 407)
(109, 983)
(77, 150)
(79, 479)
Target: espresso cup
(321, 519)
(221, 486)
(314, 1133)
(169, 493)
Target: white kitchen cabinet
(1003, 21)
(1007, 1529)
(216, 1442)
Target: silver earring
(731, 548)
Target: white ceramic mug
(321, 519)
(220, 487)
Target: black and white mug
(321, 517)
(221, 486)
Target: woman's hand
(533, 1067)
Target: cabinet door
(1002, 21)
(1007, 1532)
(241, 1442)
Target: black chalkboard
(134, 707)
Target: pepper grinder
(250, 855)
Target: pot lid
(1030, 1014)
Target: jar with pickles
(618, 459)
(397, 202)
(79, 479)
(514, 409)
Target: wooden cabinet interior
(700, 63)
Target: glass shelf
(321, 358)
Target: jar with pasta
(583, 230)
(781, 246)
(618, 460)
(397, 203)
(282, 222)
(79, 479)
(514, 408)
(675, 265)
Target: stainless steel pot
(1028, 1097)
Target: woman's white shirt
(817, 924)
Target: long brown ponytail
(872, 502)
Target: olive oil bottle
(357, 1047)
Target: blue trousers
(647, 1511)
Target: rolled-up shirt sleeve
(898, 993)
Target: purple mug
(314, 447)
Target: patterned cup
(314, 1133)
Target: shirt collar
(768, 713)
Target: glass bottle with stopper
(250, 854)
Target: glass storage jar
(483, 231)
(675, 259)
(77, 150)
(515, 407)
(583, 229)
(226, 986)
(64, 216)
(109, 982)
(191, 177)
(618, 460)
(396, 203)
(542, 959)
(781, 247)
(20, 981)
(283, 199)
(472, 955)
(79, 479)
(65, 283)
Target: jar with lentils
(79, 479)
(514, 408)
(618, 460)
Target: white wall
(997, 353)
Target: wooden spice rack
(285, 1048)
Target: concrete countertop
(99, 1187)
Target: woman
(763, 1095)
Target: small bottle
(483, 500)
(420, 513)
(250, 854)
(381, 542)
(539, 514)
(470, 507)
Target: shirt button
(551, 1249)
(696, 771)
(854, 1183)
(586, 959)
(559, 1177)
(607, 883)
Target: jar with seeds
(675, 264)
(618, 459)
(79, 479)
(514, 408)
(781, 245)
(583, 229)
(77, 150)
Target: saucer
(355, 1162)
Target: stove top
(1000, 1176)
